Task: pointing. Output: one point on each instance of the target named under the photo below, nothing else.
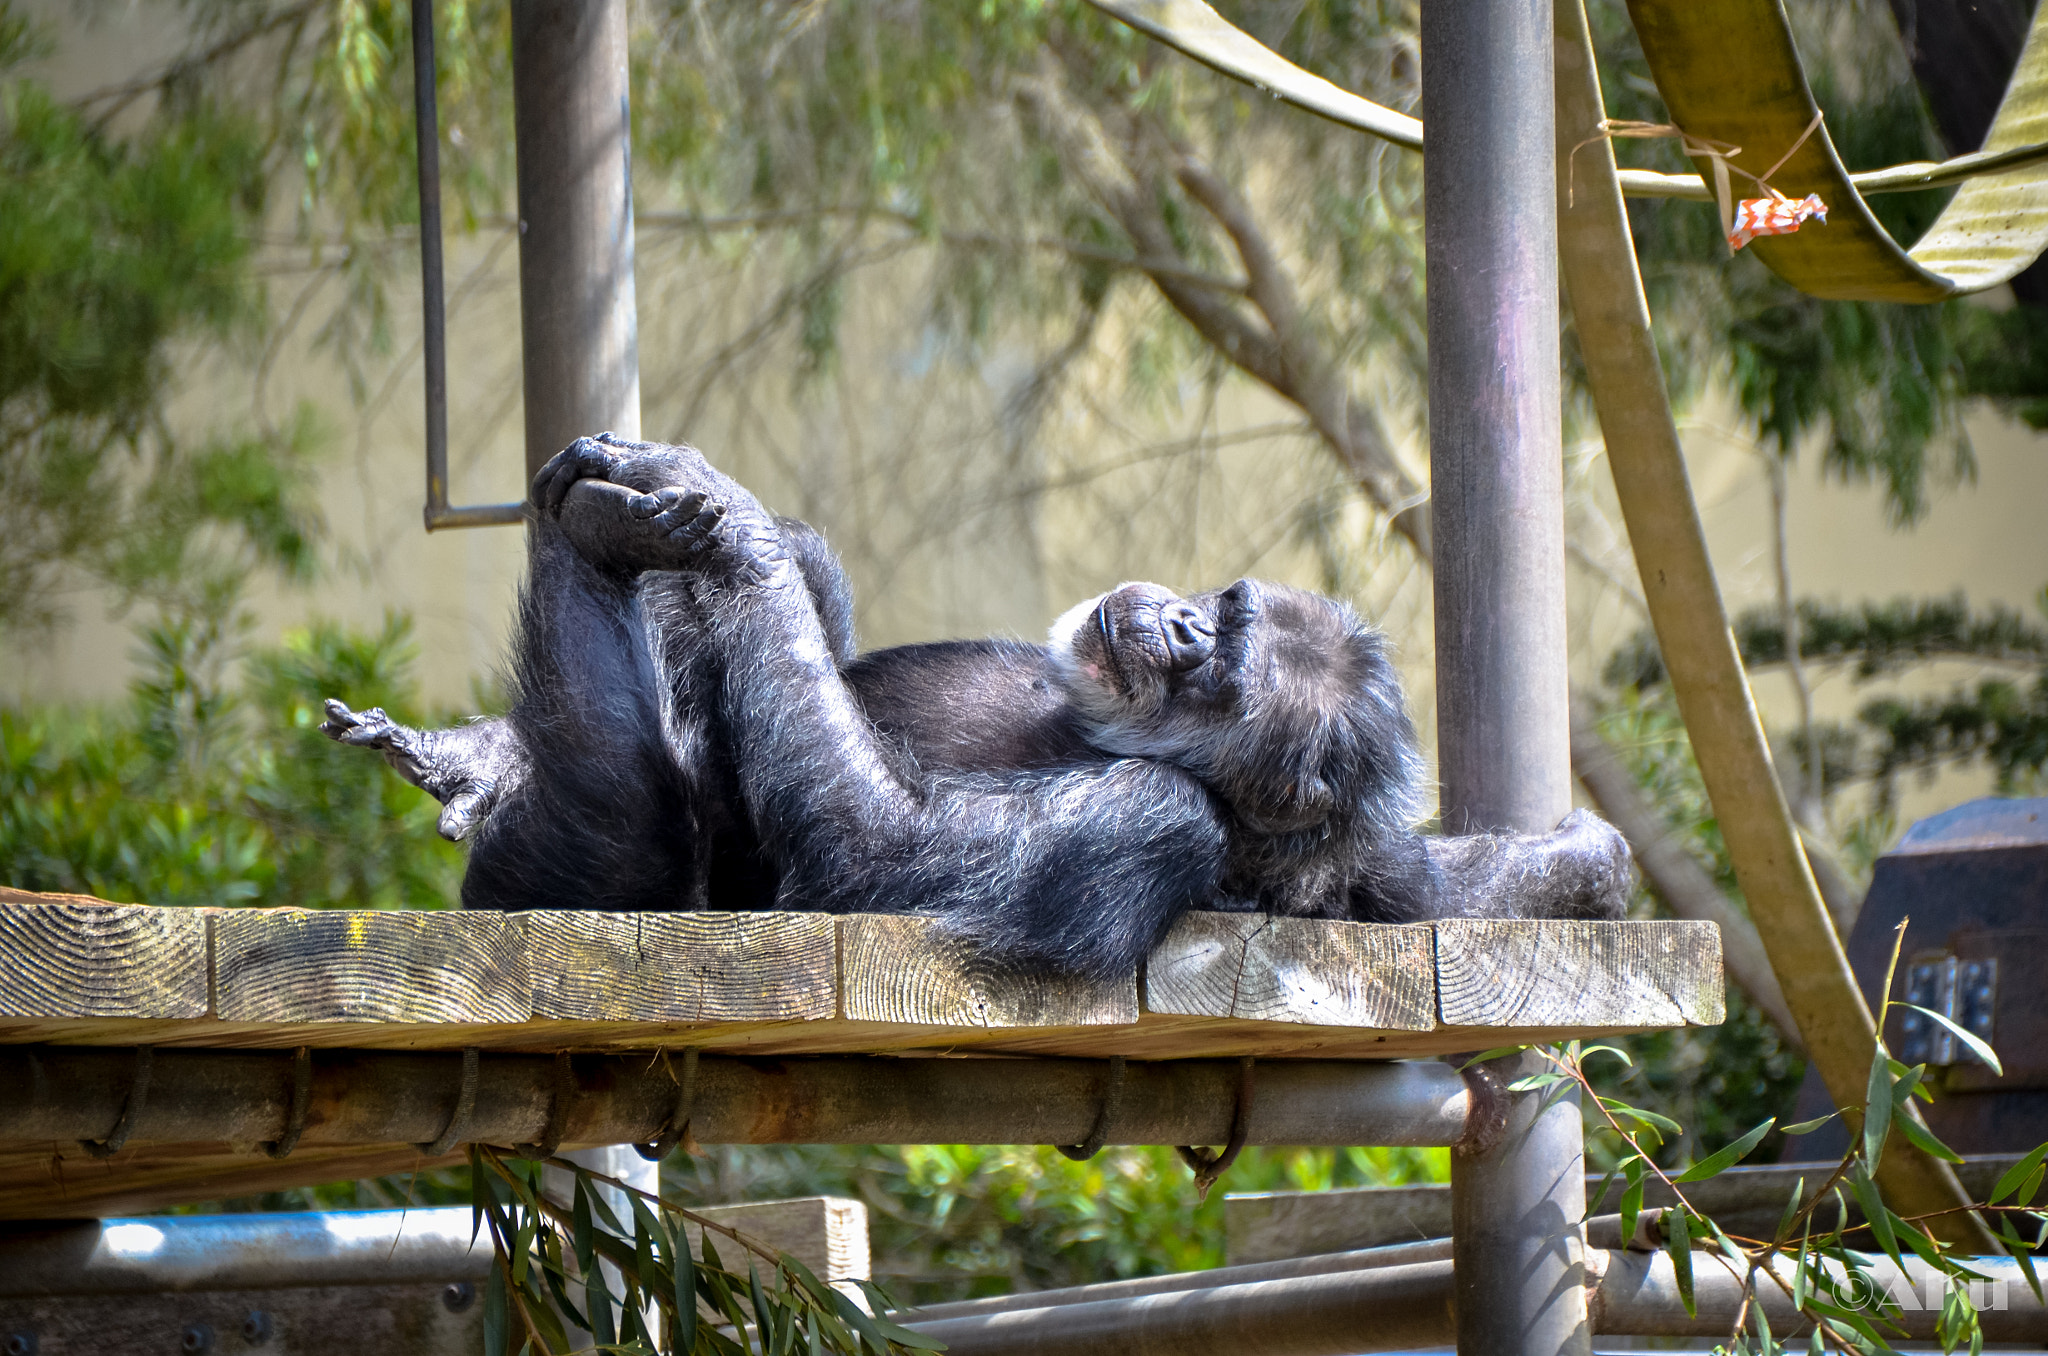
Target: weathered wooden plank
(900, 969)
(828, 1234)
(1268, 1226)
(67, 956)
(1500, 973)
(681, 967)
(1320, 973)
(312, 965)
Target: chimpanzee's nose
(1190, 636)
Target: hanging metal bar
(433, 298)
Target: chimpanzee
(692, 730)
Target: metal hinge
(1964, 991)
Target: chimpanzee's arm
(466, 767)
(1080, 869)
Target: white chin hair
(1062, 632)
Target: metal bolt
(22, 1343)
(458, 1295)
(256, 1328)
(197, 1337)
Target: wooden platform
(76, 971)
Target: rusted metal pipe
(377, 1097)
(1393, 1308)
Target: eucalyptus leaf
(1727, 1156)
(1977, 1044)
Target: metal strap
(559, 1099)
(1208, 1166)
(1112, 1102)
(302, 1097)
(465, 1107)
(677, 1127)
(131, 1109)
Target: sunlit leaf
(1978, 1046)
(1725, 1157)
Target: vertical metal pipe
(1503, 719)
(572, 120)
(1496, 465)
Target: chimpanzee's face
(1282, 701)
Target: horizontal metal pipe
(1360, 1259)
(377, 1097)
(242, 1252)
(1636, 1293)
(1393, 1308)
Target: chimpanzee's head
(1282, 702)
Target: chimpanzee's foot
(638, 466)
(434, 761)
(674, 528)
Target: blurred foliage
(208, 790)
(2000, 722)
(959, 1221)
(1719, 1081)
(112, 254)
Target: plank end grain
(681, 967)
(69, 957)
(1308, 971)
(1506, 973)
(318, 965)
(910, 970)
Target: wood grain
(67, 956)
(680, 967)
(828, 1234)
(1495, 973)
(315, 965)
(1257, 968)
(895, 968)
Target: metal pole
(1503, 719)
(573, 127)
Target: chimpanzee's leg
(1081, 869)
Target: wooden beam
(79, 972)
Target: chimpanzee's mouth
(1105, 629)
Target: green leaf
(1977, 1045)
(1726, 1157)
(1791, 1209)
(1631, 1199)
(760, 1302)
(1923, 1139)
(1877, 1108)
(1678, 1243)
(1808, 1127)
(1614, 1050)
(686, 1290)
(1535, 1081)
(1764, 1342)
(1498, 1052)
(597, 1298)
(817, 1347)
(497, 1319)
(581, 1232)
(2009, 1181)
(1874, 1211)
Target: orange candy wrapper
(1773, 216)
